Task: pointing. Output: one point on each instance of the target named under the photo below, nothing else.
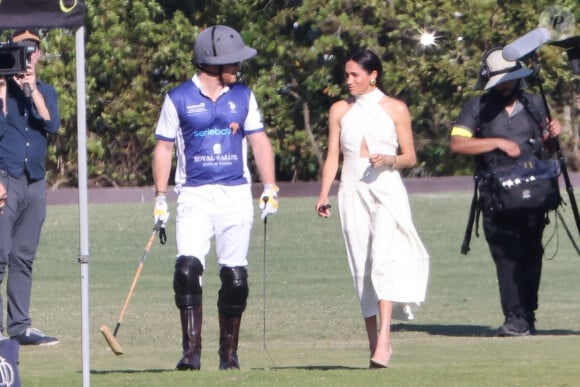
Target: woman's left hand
(378, 160)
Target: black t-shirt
(485, 117)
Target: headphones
(485, 73)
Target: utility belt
(528, 184)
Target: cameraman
(31, 109)
(499, 125)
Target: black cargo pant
(515, 243)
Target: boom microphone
(526, 44)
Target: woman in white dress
(387, 259)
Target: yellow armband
(459, 131)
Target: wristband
(273, 187)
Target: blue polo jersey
(209, 135)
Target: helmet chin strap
(206, 69)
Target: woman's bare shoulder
(340, 107)
(394, 106)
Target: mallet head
(111, 340)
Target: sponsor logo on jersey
(209, 159)
(213, 132)
(196, 109)
(232, 106)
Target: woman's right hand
(323, 208)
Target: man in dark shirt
(31, 111)
(500, 126)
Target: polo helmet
(220, 45)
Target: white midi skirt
(387, 259)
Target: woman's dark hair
(368, 60)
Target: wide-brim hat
(495, 70)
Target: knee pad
(234, 292)
(186, 282)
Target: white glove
(160, 211)
(269, 200)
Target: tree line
(137, 50)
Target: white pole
(83, 202)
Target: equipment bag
(527, 184)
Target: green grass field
(314, 332)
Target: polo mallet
(264, 282)
(265, 199)
(112, 337)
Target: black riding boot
(191, 329)
(229, 333)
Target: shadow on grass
(447, 330)
(273, 368)
(557, 332)
(145, 371)
(471, 330)
(311, 368)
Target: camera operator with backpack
(508, 128)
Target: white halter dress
(386, 256)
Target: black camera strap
(473, 217)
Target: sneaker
(514, 325)
(33, 336)
(531, 317)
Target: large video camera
(14, 57)
(572, 46)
